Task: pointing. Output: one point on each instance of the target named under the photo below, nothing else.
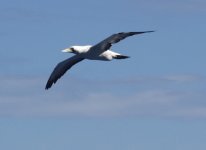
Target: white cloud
(27, 97)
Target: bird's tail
(120, 57)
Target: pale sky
(154, 100)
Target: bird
(100, 51)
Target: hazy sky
(154, 100)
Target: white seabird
(100, 51)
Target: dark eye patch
(73, 50)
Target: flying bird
(100, 51)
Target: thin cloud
(183, 78)
(196, 112)
(27, 97)
(169, 78)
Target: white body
(83, 50)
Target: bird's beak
(67, 50)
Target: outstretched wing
(61, 68)
(107, 43)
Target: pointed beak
(67, 50)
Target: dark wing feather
(61, 68)
(107, 43)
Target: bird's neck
(82, 49)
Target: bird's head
(77, 49)
(69, 50)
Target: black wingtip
(46, 88)
(147, 31)
(141, 32)
(48, 85)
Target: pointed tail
(120, 57)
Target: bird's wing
(107, 43)
(61, 68)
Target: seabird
(100, 51)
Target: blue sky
(154, 100)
